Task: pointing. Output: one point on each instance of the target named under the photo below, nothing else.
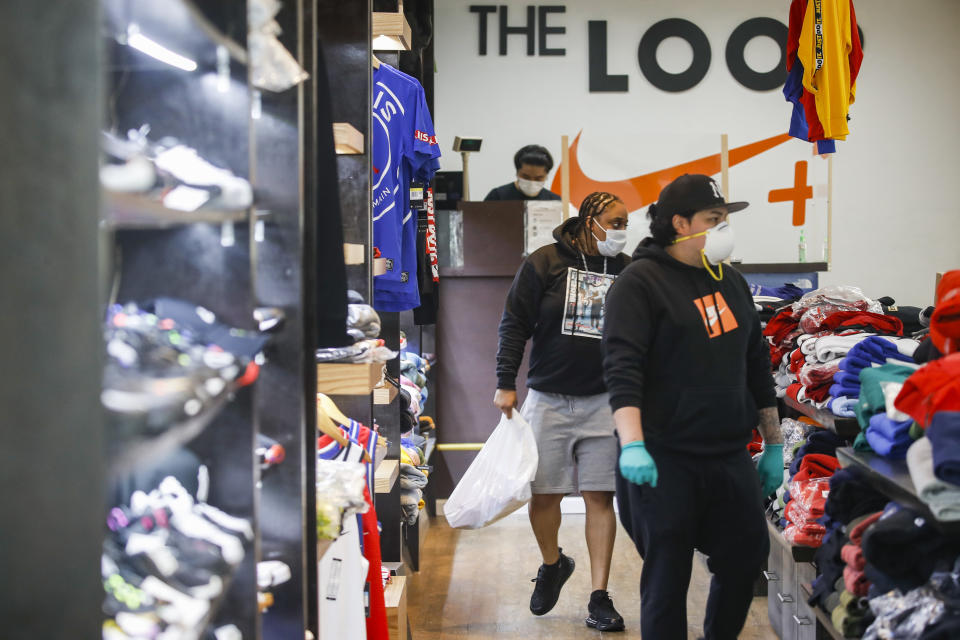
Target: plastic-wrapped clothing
(904, 615)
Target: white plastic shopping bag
(497, 482)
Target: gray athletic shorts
(572, 432)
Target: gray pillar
(51, 432)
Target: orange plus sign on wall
(798, 193)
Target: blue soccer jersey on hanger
(404, 147)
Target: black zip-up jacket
(688, 351)
(570, 365)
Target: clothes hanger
(327, 415)
(331, 409)
(376, 62)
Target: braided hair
(592, 206)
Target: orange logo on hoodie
(717, 316)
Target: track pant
(710, 504)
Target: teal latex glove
(770, 468)
(636, 465)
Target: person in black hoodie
(683, 350)
(556, 299)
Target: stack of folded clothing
(941, 496)
(808, 491)
(412, 482)
(886, 430)
(871, 352)
(851, 616)
(810, 341)
(903, 548)
(854, 579)
(852, 497)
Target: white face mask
(719, 244)
(717, 247)
(530, 188)
(614, 244)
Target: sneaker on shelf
(271, 573)
(602, 614)
(549, 581)
(201, 183)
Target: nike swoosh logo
(642, 190)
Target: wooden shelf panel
(394, 592)
(354, 254)
(395, 598)
(386, 476)
(134, 211)
(346, 139)
(393, 25)
(348, 379)
(385, 394)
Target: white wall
(896, 210)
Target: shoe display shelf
(246, 266)
(131, 211)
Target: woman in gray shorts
(555, 300)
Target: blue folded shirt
(839, 390)
(843, 407)
(847, 379)
(854, 364)
(944, 435)
(889, 438)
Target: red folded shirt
(797, 359)
(818, 393)
(852, 554)
(934, 387)
(863, 319)
(811, 495)
(807, 535)
(945, 322)
(794, 389)
(855, 582)
(796, 514)
(816, 465)
(856, 534)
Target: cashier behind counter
(533, 163)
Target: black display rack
(254, 268)
(892, 478)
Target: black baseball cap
(693, 192)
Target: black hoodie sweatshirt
(571, 365)
(697, 378)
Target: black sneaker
(550, 579)
(603, 617)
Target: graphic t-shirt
(404, 148)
